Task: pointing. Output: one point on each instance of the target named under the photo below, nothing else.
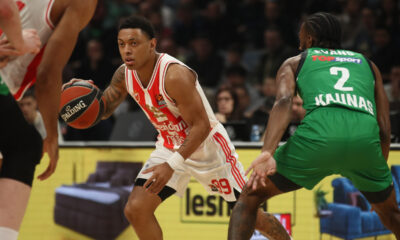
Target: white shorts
(214, 164)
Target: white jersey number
(342, 80)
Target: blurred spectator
(229, 114)
(250, 15)
(160, 30)
(168, 45)
(389, 15)
(274, 18)
(364, 40)
(234, 55)
(276, 51)
(385, 53)
(313, 6)
(167, 14)
(29, 109)
(206, 62)
(184, 27)
(227, 103)
(214, 22)
(259, 112)
(267, 98)
(95, 66)
(351, 23)
(393, 93)
(236, 77)
(244, 98)
(393, 89)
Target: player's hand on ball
(262, 166)
(161, 175)
(74, 80)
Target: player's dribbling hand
(50, 145)
(161, 175)
(74, 80)
(262, 166)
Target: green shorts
(3, 88)
(335, 141)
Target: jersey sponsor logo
(170, 126)
(336, 59)
(158, 114)
(345, 99)
(70, 111)
(160, 101)
(334, 52)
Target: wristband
(175, 160)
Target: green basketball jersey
(336, 78)
(3, 88)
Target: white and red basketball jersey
(159, 107)
(20, 73)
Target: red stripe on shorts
(230, 158)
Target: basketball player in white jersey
(16, 43)
(58, 23)
(191, 142)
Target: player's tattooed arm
(115, 93)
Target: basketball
(81, 105)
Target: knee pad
(8, 234)
(20, 160)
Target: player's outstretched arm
(279, 117)
(278, 121)
(115, 93)
(48, 84)
(382, 112)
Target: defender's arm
(279, 117)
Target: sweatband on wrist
(8, 234)
(175, 160)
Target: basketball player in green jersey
(346, 129)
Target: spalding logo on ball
(81, 105)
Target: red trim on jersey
(163, 82)
(153, 75)
(230, 158)
(30, 75)
(20, 5)
(127, 80)
(48, 20)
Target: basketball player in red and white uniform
(17, 43)
(191, 142)
(58, 23)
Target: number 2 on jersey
(342, 80)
